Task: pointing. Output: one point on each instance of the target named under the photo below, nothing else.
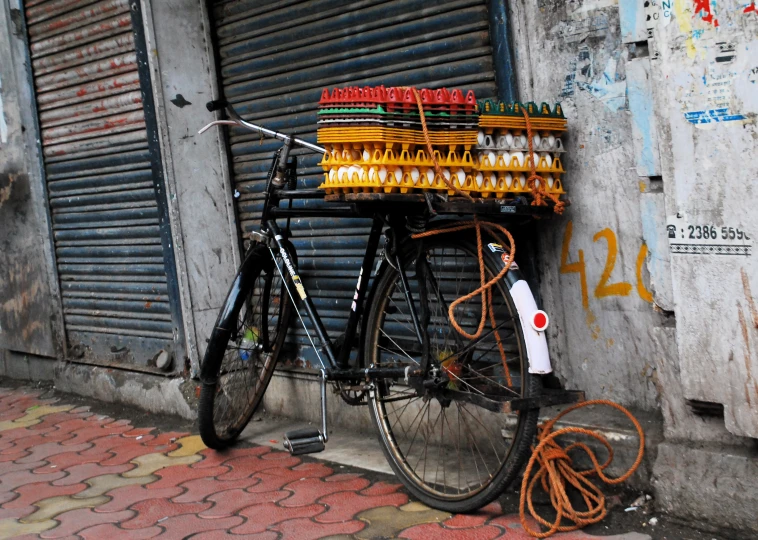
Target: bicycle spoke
(450, 447)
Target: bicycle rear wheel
(240, 359)
(450, 452)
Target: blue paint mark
(652, 235)
(641, 109)
(712, 115)
(628, 18)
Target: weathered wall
(707, 97)
(29, 309)
(203, 221)
(595, 283)
(662, 99)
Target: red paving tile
(181, 527)
(43, 451)
(228, 503)
(150, 512)
(308, 490)
(219, 535)
(305, 529)
(11, 481)
(112, 532)
(462, 521)
(70, 523)
(16, 513)
(173, 476)
(265, 516)
(244, 467)
(344, 505)
(123, 497)
(381, 488)
(32, 441)
(126, 452)
(435, 531)
(164, 439)
(212, 458)
(30, 494)
(11, 457)
(138, 432)
(80, 473)
(10, 467)
(105, 444)
(200, 488)
(89, 432)
(12, 435)
(255, 493)
(69, 459)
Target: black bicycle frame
(337, 362)
(337, 367)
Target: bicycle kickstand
(309, 440)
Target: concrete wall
(30, 315)
(662, 104)
(598, 294)
(202, 212)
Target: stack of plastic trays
(375, 141)
(502, 159)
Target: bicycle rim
(450, 451)
(250, 355)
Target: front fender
(536, 342)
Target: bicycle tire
(258, 290)
(435, 493)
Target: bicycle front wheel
(450, 451)
(240, 359)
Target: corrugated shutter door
(277, 56)
(100, 179)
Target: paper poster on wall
(701, 237)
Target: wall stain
(6, 186)
(749, 297)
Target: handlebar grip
(215, 105)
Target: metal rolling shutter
(275, 58)
(101, 179)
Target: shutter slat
(275, 61)
(99, 175)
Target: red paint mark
(703, 8)
(148, 305)
(751, 8)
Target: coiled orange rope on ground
(554, 472)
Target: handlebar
(236, 120)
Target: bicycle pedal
(304, 441)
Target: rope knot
(555, 474)
(555, 453)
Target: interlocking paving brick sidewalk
(68, 472)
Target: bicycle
(455, 416)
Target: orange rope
(437, 168)
(554, 472)
(485, 288)
(535, 182)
